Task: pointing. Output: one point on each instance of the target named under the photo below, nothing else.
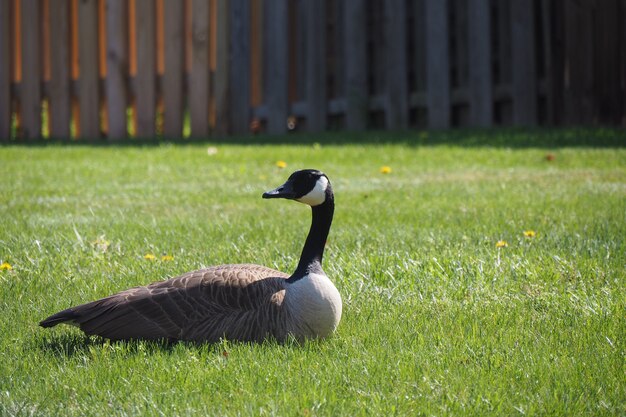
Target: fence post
(240, 66)
(117, 68)
(173, 76)
(89, 100)
(199, 80)
(481, 91)
(146, 61)
(438, 64)
(356, 65)
(397, 106)
(316, 65)
(5, 72)
(30, 94)
(523, 63)
(276, 74)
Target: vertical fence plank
(60, 71)
(419, 42)
(199, 85)
(298, 49)
(277, 64)
(438, 64)
(316, 65)
(397, 111)
(502, 52)
(548, 42)
(117, 68)
(523, 63)
(89, 100)
(240, 66)
(222, 70)
(623, 62)
(480, 82)
(174, 60)
(356, 65)
(30, 96)
(5, 71)
(608, 90)
(579, 81)
(256, 65)
(145, 94)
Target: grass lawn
(437, 319)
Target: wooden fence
(143, 68)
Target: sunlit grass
(439, 318)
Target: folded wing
(239, 302)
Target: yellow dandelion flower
(385, 170)
(149, 256)
(167, 258)
(5, 266)
(501, 244)
(530, 233)
(281, 164)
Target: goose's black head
(308, 186)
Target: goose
(239, 302)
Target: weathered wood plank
(89, 100)
(438, 64)
(336, 48)
(222, 70)
(356, 65)
(30, 92)
(298, 49)
(480, 79)
(117, 68)
(256, 80)
(461, 56)
(146, 67)
(419, 34)
(199, 86)
(623, 64)
(240, 66)
(579, 68)
(277, 64)
(59, 90)
(5, 71)
(608, 90)
(316, 65)
(548, 41)
(523, 63)
(397, 108)
(174, 61)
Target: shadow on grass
(497, 137)
(67, 345)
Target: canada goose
(237, 302)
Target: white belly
(314, 305)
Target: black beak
(284, 191)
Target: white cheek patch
(317, 195)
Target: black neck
(313, 251)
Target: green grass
(437, 320)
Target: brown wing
(232, 301)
